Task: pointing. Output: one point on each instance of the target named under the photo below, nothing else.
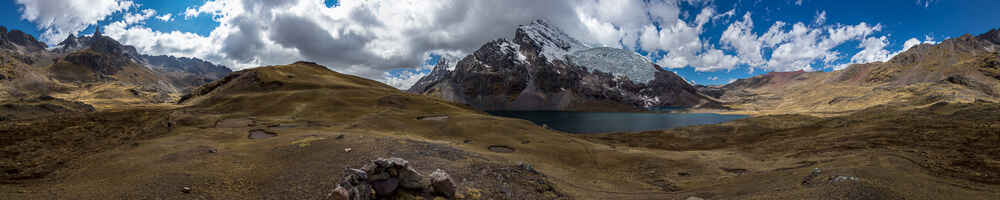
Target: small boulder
(808, 179)
(396, 167)
(354, 185)
(340, 193)
(411, 179)
(385, 187)
(838, 179)
(442, 183)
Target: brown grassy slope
(962, 69)
(41, 106)
(19, 79)
(108, 81)
(903, 152)
(25, 90)
(34, 148)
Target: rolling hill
(962, 69)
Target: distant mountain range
(96, 70)
(962, 69)
(543, 68)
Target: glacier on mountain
(618, 62)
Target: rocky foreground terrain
(302, 131)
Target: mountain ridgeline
(16, 39)
(95, 70)
(963, 69)
(542, 68)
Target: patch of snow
(649, 102)
(521, 58)
(618, 62)
(510, 48)
(452, 66)
(555, 44)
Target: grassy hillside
(963, 69)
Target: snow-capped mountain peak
(553, 43)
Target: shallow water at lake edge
(609, 122)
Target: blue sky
(201, 25)
(901, 20)
(397, 41)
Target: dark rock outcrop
(442, 183)
(440, 72)
(111, 46)
(353, 186)
(4, 44)
(10, 39)
(991, 36)
(69, 42)
(22, 39)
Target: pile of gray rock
(385, 177)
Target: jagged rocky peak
(18, 37)
(500, 52)
(108, 45)
(991, 36)
(3, 38)
(547, 40)
(69, 42)
(441, 71)
(442, 65)
(619, 62)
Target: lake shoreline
(575, 122)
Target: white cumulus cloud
(370, 38)
(166, 17)
(800, 47)
(59, 18)
(135, 18)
